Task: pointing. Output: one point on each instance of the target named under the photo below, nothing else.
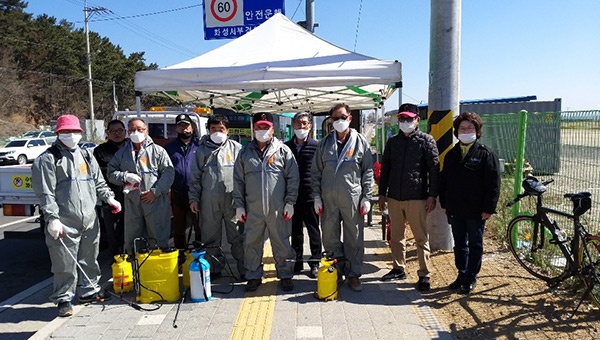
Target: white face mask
(407, 127)
(262, 135)
(218, 137)
(301, 133)
(341, 125)
(467, 138)
(70, 140)
(137, 137)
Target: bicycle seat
(582, 202)
(533, 186)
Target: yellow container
(122, 273)
(186, 268)
(327, 280)
(159, 278)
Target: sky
(509, 48)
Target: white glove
(318, 206)
(133, 178)
(288, 211)
(55, 229)
(115, 204)
(240, 214)
(365, 206)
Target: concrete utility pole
(88, 11)
(444, 72)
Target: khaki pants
(413, 212)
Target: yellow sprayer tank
(327, 280)
(158, 276)
(186, 268)
(122, 273)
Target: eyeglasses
(116, 131)
(334, 119)
(140, 129)
(466, 129)
(405, 119)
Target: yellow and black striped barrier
(440, 128)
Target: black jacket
(471, 185)
(304, 158)
(103, 154)
(410, 167)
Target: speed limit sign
(222, 13)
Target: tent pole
(138, 103)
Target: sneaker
(460, 279)
(287, 285)
(65, 309)
(394, 274)
(253, 284)
(314, 271)
(354, 283)
(423, 285)
(100, 296)
(468, 286)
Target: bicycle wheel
(590, 264)
(542, 260)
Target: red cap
(407, 114)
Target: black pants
(304, 214)
(182, 218)
(114, 228)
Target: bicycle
(543, 248)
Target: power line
(147, 14)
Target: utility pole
(88, 11)
(444, 71)
(310, 15)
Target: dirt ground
(508, 303)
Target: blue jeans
(468, 245)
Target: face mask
(218, 137)
(70, 140)
(262, 135)
(137, 137)
(185, 135)
(407, 127)
(341, 125)
(467, 138)
(301, 133)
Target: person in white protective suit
(342, 180)
(210, 194)
(146, 171)
(265, 189)
(68, 182)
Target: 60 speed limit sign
(222, 13)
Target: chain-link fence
(564, 146)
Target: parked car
(49, 136)
(87, 145)
(22, 151)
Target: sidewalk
(381, 311)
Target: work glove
(133, 178)
(318, 206)
(288, 211)
(116, 205)
(365, 206)
(56, 229)
(240, 214)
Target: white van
(161, 124)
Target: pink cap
(67, 122)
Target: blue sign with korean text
(230, 19)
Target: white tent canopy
(277, 67)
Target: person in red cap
(409, 184)
(265, 188)
(68, 182)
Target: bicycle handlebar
(525, 194)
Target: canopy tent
(277, 67)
